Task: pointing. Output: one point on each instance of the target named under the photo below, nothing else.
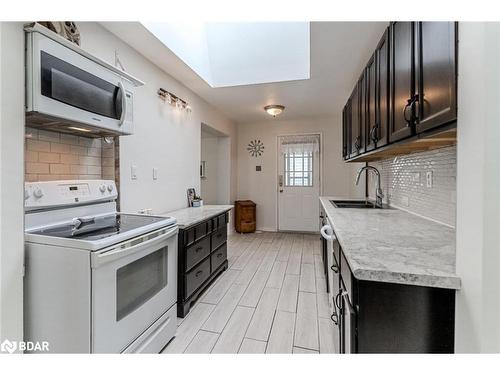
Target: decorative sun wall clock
(256, 148)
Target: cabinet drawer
(197, 252)
(219, 237)
(197, 232)
(221, 220)
(219, 256)
(196, 277)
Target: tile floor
(272, 299)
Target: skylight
(235, 54)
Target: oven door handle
(107, 256)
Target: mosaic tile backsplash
(56, 156)
(404, 183)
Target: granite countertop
(392, 245)
(192, 215)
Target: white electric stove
(97, 280)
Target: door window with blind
(298, 153)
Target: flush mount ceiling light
(274, 109)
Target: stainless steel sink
(354, 204)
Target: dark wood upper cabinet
(379, 135)
(362, 112)
(435, 74)
(354, 128)
(409, 86)
(346, 126)
(402, 82)
(371, 90)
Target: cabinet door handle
(408, 104)
(337, 300)
(334, 269)
(198, 249)
(414, 107)
(373, 134)
(198, 273)
(334, 317)
(219, 255)
(357, 143)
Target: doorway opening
(299, 182)
(215, 166)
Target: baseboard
(267, 229)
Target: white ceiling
(339, 51)
(239, 53)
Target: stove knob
(102, 188)
(26, 194)
(38, 193)
(110, 188)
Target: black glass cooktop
(93, 230)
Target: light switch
(155, 173)
(133, 172)
(429, 179)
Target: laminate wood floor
(272, 299)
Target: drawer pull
(335, 318)
(198, 273)
(219, 255)
(198, 249)
(219, 235)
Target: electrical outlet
(133, 172)
(428, 177)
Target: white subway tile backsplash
(404, 183)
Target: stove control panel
(38, 195)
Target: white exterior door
(298, 183)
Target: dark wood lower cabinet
(380, 317)
(396, 318)
(202, 257)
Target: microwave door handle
(124, 103)
(112, 255)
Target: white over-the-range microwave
(72, 91)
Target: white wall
(164, 137)
(215, 151)
(11, 180)
(478, 183)
(261, 187)
(209, 154)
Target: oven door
(64, 84)
(133, 284)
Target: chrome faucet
(378, 190)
